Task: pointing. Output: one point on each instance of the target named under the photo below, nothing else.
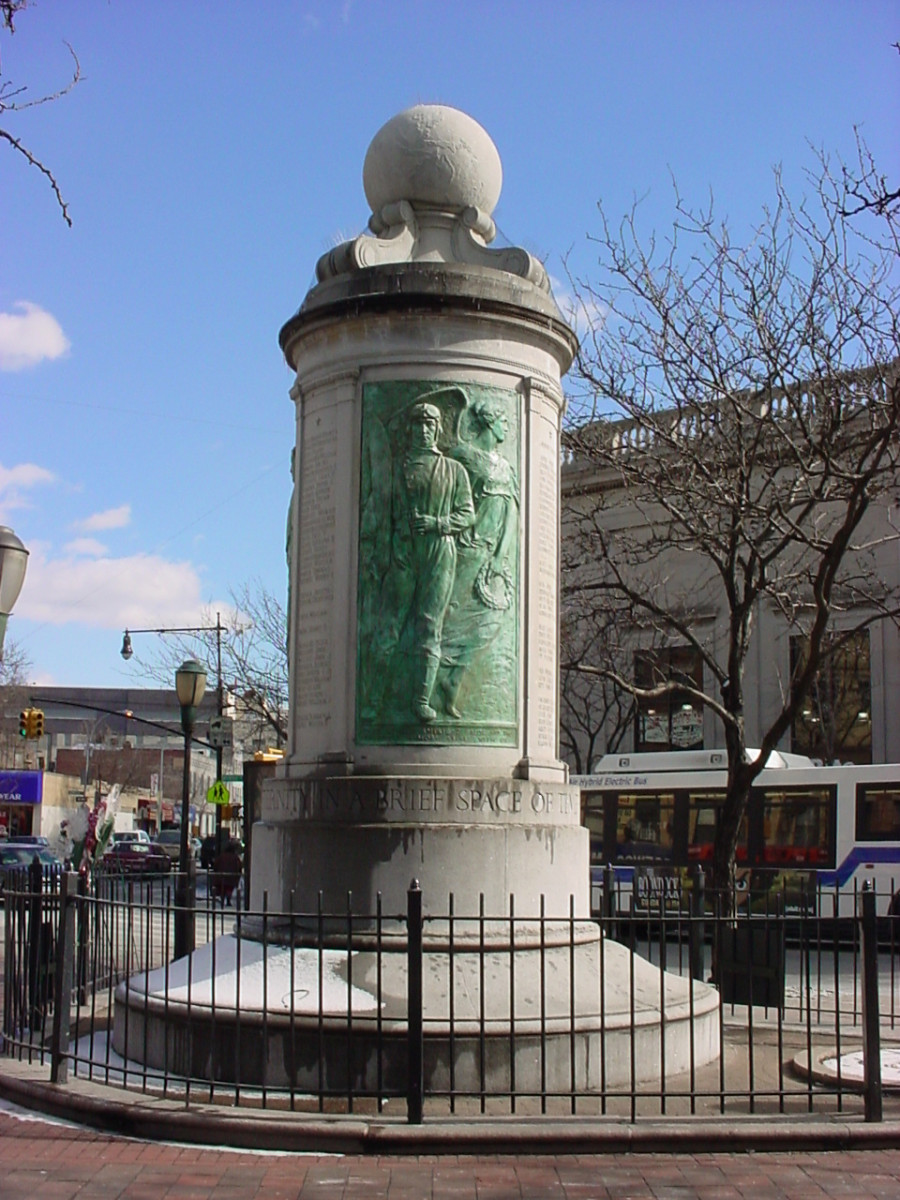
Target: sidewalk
(369, 1132)
(129, 1146)
(40, 1161)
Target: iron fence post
(185, 910)
(64, 979)
(415, 1082)
(609, 899)
(871, 1030)
(82, 938)
(698, 925)
(35, 939)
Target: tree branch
(9, 103)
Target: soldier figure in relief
(432, 506)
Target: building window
(834, 723)
(673, 721)
(877, 812)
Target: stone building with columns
(850, 714)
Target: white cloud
(86, 547)
(110, 518)
(583, 314)
(28, 336)
(142, 590)
(16, 481)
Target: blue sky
(214, 150)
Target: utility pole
(218, 629)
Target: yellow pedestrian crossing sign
(218, 793)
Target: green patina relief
(438, 565)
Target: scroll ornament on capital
(399, 235)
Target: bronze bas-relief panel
(438, 580)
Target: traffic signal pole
(31, 729)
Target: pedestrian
(227, 869)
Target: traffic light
(31, 723)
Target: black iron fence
(674, 1007)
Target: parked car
(170, 842)
(136, 858)
(18, 855)
(131, 835)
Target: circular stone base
(512, 1021)
(826, 1068)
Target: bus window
(644, 822)
(703, 814)
(797, 826)
(877, 812)
(592, 818)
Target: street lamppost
(218, 629)
(13, 561)
(190, 684)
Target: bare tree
(594, 711)
(254, 661)
(735, 427)
(14, 666)
(868, 191)
(13, 101)
(258, 661)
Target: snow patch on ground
(852, 1067)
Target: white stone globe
(433, 155)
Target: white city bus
(808, 830)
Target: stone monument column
(423, 543)
(424, 556)
(423, 629)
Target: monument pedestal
(480, 841)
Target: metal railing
(443, 1012)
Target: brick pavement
(40, 1160)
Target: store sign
(21, 787)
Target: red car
(136, 858)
